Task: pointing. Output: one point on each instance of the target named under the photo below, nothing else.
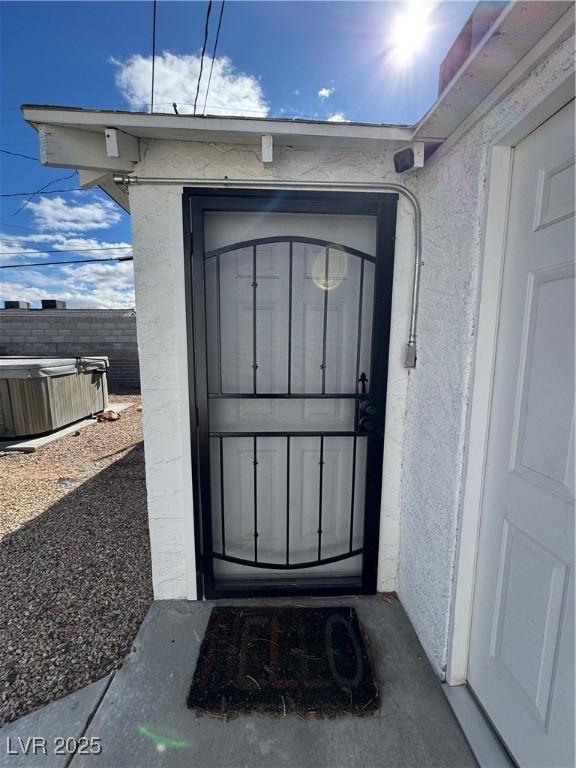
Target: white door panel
(521, 663)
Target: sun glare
(410, 31)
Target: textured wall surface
(427, 409)
(73, 332)
(452, 191)
(159, 278)
(161, 322)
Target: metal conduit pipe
(410, 353)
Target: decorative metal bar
(255, 462)
(359, 339)
(321, 463)
(287, 499)
(289, 239)
(353, 493)
(254, 286)
(281, 396)
(219, 325)
(283, 566)
(290, 321)
(284, 434)
(222, 496)
(323, 366)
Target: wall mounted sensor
(404, 160)
(409, 157)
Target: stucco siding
(158, 273)
(427, 411)
(159, 284)
(452, 191)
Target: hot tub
(39, 395)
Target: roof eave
(164, 126)
(523, 35)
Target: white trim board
(563, 28)
(481, 737)
(494, 247)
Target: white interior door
(521, 663)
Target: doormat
(305, 661)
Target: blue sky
(321, 60)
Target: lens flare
(410, 31)
(337, 267)
(162, 737)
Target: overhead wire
(17, 226)
(214, 54)
(66, 250)
(206, 27)
(18, 154)
(38, 191)
(56, 263)
(153, 53)
(47, 192)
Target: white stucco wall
(427, 408)
(159, 280)
(452, 192)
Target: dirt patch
(75, 577)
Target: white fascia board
(250, 130)
(62, 147)
(522, 35)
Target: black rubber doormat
(305, 661)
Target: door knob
(367, 424)
(367, 421)
(367, 409)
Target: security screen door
(289, 321)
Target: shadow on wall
(75, 584)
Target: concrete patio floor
(142, 720)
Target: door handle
(367, 421)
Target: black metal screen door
(291, 394)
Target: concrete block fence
(76, 332)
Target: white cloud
(325, 93)
(296, 92)
(337, 117)
(12, 247)
(57, 214)
(93, 284)
(175, 76)
(99, 286)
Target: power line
(206, 26)
(17, 154)
(214, 53)
(18, 226)
(153, 53)
(54, 181)
(48, 192)
(57, 263)
(66, 250)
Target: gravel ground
(75, 580)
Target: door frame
(501, 153)
(198, 201)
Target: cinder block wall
(76, 332)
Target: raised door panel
(521, 663)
